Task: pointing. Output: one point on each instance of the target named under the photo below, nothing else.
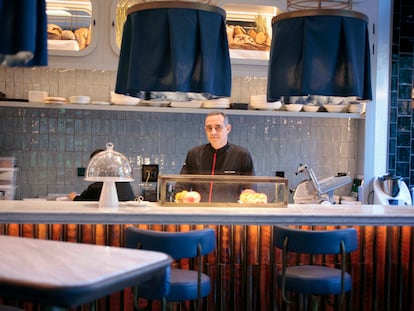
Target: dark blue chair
(183, 284)
(312, 279)
(9, 308)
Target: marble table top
(68, 274)
(42, 211)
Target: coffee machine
(391, 190)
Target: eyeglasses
(217, 128)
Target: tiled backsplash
(16, 82)
(401, 137)
(50, 144)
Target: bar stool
(183, 284)
(314, 279)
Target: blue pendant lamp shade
(174, 46)
(319, 52)
(24, 33)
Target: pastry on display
(68, 35)
(249, 196)
(54, 32)
(187, 197)
(249, 38)
(80, 35)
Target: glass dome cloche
(109, 166)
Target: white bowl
(311, 108)
(335, 108)
(79, 99)
(294, 107)
(120, 99)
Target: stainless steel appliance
(317, 190)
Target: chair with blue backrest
(314, 279)
(9, 308)
(184, 285)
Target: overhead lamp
(319, 52)
(24, 33)
(109, 167)
(174, 46)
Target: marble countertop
(41, 211)
(70, 274)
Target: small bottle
(356, 183)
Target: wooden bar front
(244, 265)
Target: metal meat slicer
(314, 190)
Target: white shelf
(275, 113)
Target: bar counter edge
(66, 212)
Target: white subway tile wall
(50, 144)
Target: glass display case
(222, 190)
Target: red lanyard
(213, 167)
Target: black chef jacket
(230, 160)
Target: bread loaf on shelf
(80, 35)
(54, 32)
(68, 35)
(256, 38)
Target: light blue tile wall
(49, 144)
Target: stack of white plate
(7, 178)
(356, 108)
(100, 102)
(260, 102)
(54, 100)
(219, 103)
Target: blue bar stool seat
(183, 284)
(314, 279)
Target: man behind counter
(218, 157)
